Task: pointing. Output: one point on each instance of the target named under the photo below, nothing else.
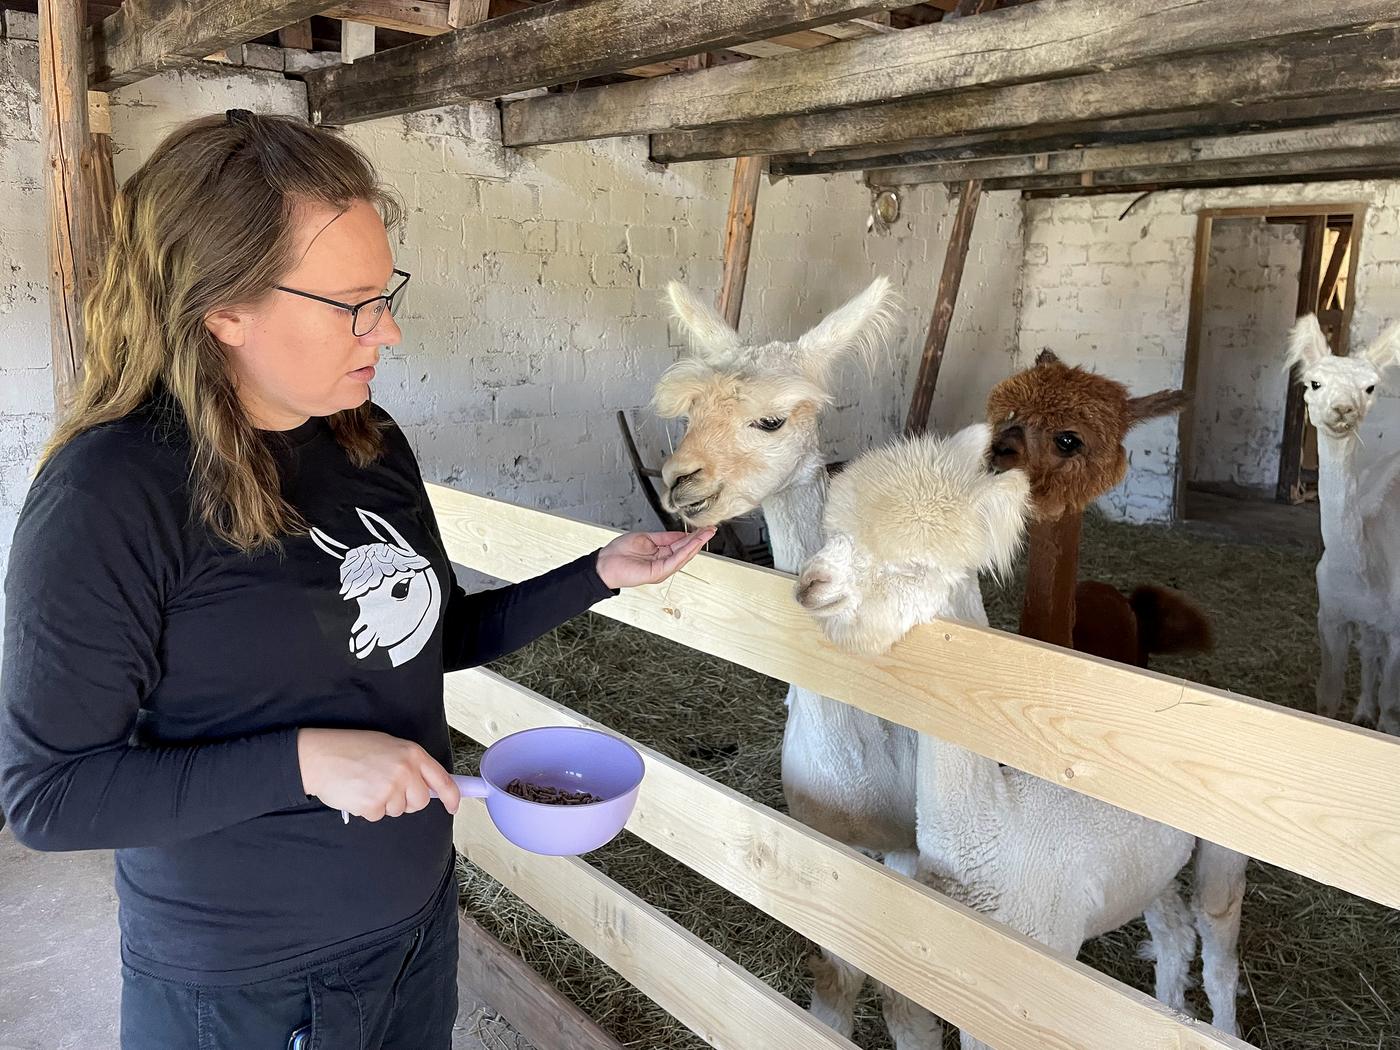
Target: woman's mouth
(364, 375)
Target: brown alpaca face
(1065, 427)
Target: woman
(229, 611)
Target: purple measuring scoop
(565, 757)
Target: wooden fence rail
(1005, 988)
(1305, 793)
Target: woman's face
(293, 357)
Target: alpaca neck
(965, 792)
(1339, 509)
(794, 516)
(1052, 570)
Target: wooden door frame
(1205, 219)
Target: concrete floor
(59, 979)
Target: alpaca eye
(1068, 443)
(1371, 389)
(1314, 384)
(768, 424)
(400, 591)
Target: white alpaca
(1358, 577)
(752, 440)
(908, 528)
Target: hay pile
(1321, 968)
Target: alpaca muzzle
(1008, 450)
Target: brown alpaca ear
(1162, 403)
(1046, 357)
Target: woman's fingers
(439, 780)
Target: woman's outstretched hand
(635, 558)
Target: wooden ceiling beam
(1353, 64)
(1038, 42)
(556, 43)
(1188, 152)
(420, 17)
(146, 36)
(1053, 138)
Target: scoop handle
(470, 787)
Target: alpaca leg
(1389, 693)
(911, 1027)
(1372, 651)
(1173, 946)
(1217, 902)
(835, 992)
(1331, 680)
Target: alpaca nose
(1008, 449)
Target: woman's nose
(386, 333)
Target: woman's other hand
(635, 558)
(371, 775)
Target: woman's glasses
(364, 317)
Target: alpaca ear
(973, 442)
(1003, 504)
(1162, 403)
(1047, 357)
(1385, 350)
(712, 335)
(1306, 343)
(860, 326)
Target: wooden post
(944, 301)
(63, 98)
(297, 35)
(356, 40)
(462, 13)
(101, 186)
(1290, 462)
(1195, 322)
(738, 236)
(489, 972)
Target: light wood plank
(489, 972)
(1005, 988)
(555, 43)
(701, 987)
(144, 37)
(462, 13)
(1048, 39)
(1296, 790)
(356, 41)
(422, 17)
(1264, 75)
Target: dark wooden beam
(63, 100)
(1191, 152)
(1041, 41)
(490, 973)
(1388, 171)
(944, 301)
(1333, 273)
(556, 43)
(1190, 373)
(1355, 66)
(1336, 164)
(1113, 131)
(146, 36)
(738, 237)
(296, 36)
(1290, 457)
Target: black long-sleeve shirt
(154, 680)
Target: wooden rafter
(558, 43)
(1355, 66)
(1036, 42)
(1189, 153)
(141, 39)
(738, 237)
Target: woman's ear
(228, 325)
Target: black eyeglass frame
(389, 299)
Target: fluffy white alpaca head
(905, 526)
(1338, 391)
(752, 410)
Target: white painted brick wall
(536, 306)
(1251, 296)
(1127, 317)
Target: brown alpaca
(1065, 427)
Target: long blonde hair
(206, 222)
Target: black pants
(400, 994)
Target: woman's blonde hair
(207, 222)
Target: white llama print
(398, 592)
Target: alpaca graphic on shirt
(398, 592)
